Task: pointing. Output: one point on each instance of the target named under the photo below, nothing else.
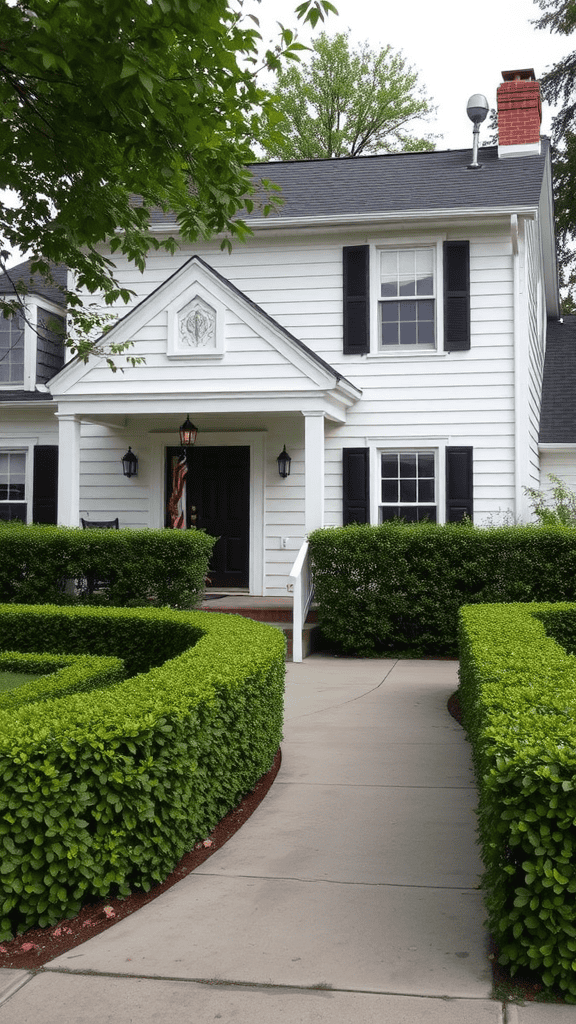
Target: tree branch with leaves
(104, 102)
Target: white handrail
(303, 591)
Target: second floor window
(11, 350)
(407, 299)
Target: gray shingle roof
(397, 182)
(558, 415)
(34, 283)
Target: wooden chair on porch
(103, 524)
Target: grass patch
(10, 680)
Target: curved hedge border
(104, 791)
(518, 698)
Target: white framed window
(11, 350)
(408, 483)
(13, 485)
(407, 298)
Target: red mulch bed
(37, 946)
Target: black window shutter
(459, 483)
(45, 493)
(456, 296)
(355, 483)
(356, 272)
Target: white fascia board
(551, 446)
(374, 217)
(329, 404)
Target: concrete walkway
(350, 897)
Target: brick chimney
(519, 114)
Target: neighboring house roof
(21, 273)
(558, 413)
(24, 396)
(398, 182)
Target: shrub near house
(399, 586)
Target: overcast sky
(458, 47)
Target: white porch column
(313, 471)
(68, 470)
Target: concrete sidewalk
(350, 897)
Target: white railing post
(302, 598)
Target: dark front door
(218, 501)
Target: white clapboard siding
(426, 399)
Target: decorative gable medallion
(197, 326)
(196, 329)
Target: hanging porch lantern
(130, 464)
(284, 461)
(188, 433)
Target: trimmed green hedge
(518, 694)
(127, 567)
(106, 790)
(58, 676)
(399, 586)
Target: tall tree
(101, 100)
(559, 88)
(344, 102)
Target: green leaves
(344, 102)
(101, 102)
(517, 692)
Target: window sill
(427, 354)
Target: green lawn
(10, 680)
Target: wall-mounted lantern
(130, 464)
(284, 461)
(188, 433)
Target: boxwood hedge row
(105, 790)
(399, 587)
(57, 565)
(518, 692)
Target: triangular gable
(193, 327)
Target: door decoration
(177, 502)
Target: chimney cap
(523, 75)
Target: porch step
(276, 611)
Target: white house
(387, 327)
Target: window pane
(389, 490)
(426, 464)
(407, 311)
(426, 334)
(408, 490)
(12, 476)
(407, 263)
(408, 334)
(407, 286)
(388, 273)
(390, 465)
(408, 464)
(425, 286)
(425, 490)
